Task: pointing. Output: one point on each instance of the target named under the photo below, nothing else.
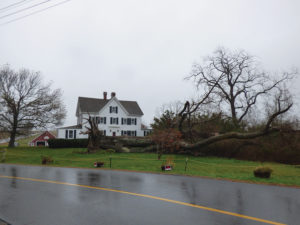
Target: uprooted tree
(233, 86)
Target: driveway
(34, 195)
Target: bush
(262, 172)
(68, 143)
(47, 160)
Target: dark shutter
(110, 109)
(122, 131)
(66, 134)
(110, 120)
(74, 134)
(117, 109)
(135, 133)
(117, 120)
(135, 121)
(104, 120)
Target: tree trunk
(231, 135)
(12, 138)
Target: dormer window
(113, 109)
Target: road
(33, 195)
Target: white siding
(109, 128)
(117, 128)
(61, 133)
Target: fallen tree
(242, 136)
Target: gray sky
(142, 50)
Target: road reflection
(14, 173)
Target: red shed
(42, 140)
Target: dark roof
(79, 126)
(96, 104)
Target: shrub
(262, 172)
(46, 160)
(167, 140)
(68, 143)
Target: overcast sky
(142, 50)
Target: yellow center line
(149, 196)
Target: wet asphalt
(24, 202)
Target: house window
(95, 119)
(128, 133)
(102, 120)
(129, 121)
(133, 121)
(70, 134)
(113, 109)
(114, 120)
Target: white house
(114, 118)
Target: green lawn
(197, 166)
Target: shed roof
(46, 133)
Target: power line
(15, 5)
(35, 12)
(24, 9)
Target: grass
(147, 162)
(24, 141)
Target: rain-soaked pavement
(39, 203)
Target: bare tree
(94, 135)
(26, 103)
(282, 104)
(233, 80)
(234, 84)
(174, 106)
(192, 107)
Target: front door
(40, 143)
(114, 134)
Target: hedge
(68, 143)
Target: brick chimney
(104, 95)
(113, 94)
